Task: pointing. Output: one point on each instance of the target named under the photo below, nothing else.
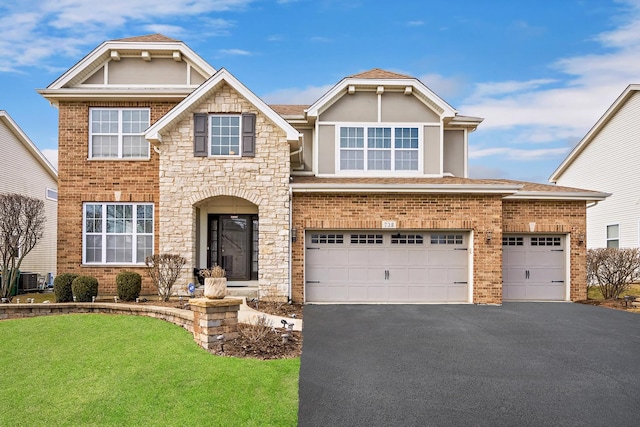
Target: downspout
(290, 224)
(593, 204)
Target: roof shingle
(147, 38)
(377, 73)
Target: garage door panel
(392, 266)
(533, 268)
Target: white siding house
(25, 170)
(607, 159)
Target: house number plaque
(389, 224)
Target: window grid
(546, 241)
(327, 238)
(407, 239)
(379, 154)
(110, 236)
(512, 241)
(371, 239)
(118, 133)
(225, 135)
(446, 239)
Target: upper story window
(613, 236)
(379, 148)
(118, 133)
(225, 135)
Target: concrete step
(248, 292)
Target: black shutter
(200, 135)
(248, 135)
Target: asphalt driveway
(538, 364)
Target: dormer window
(379, 148)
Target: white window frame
(51, 194)
(120, 134)
(611, 239)
(103, 233)
(365, 149)
(210, 135)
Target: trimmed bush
(129, 284)
(62, 287)
(84, 288)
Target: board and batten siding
(22, 173)
(609, 163)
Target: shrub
(612, 270)
(164, 270)
(84, 287)
(128, 284)
(62, 287)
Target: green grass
(594, 292)
(123, 370)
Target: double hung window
(379, 148)
(613, 236)
(225, 135)
(118, 133)
(117, 233)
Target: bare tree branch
(21, 228)
(613, 270)
(164, 270)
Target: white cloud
(33, 32)
(415, 23)
(52, 155)
(306, 96)
(566, 106)
(235, 52)
(445, 87)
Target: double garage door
(426, 267)
(533, 268)
(396, 267)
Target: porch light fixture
(489, 236)
(294, 235)
(581, 239)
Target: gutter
(558, 195)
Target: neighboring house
(26, 171)
(361, 197)
(605, 159)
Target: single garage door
(396, 267)
(533, 268)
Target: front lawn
(124, 370)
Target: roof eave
(559, 195)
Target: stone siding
(187, 181)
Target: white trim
(210, 136)
(404, 188)
(154, 132)
(48, 197)
(341, 88)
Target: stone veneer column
(213, 317)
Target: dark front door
(233, 245)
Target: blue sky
(540, 73)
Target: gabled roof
(29, 145)
(154, 133)
(67, 85)
(586, 140)
(148, 38)
(372, 79)
(378, 73)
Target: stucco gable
(187, 106)
(381, 80)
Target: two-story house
(362, 196)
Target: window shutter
(200, 135)
(248, 135)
